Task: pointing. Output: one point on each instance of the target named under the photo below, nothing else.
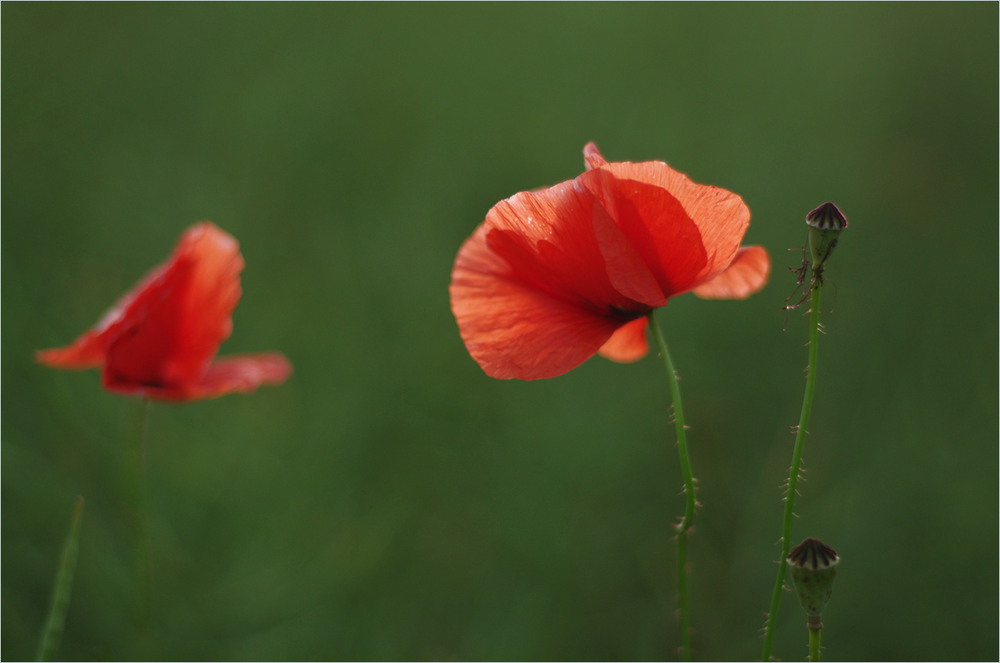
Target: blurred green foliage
(391, 501)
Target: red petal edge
(592, 156)
(514, 330)
(88, 351)
(685, 232)
(173, 328)
(85, 352)
(746, 275)
(628, 343)
(235, 374)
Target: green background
(391, 501)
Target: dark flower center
(625, 314)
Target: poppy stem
(815, 639)
(683, 527)
(793, 471)
(54, 624)
(135, 500)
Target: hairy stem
(682, 528)
(815, 638)
(793, 471)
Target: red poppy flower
(556, 275)
(160, 339)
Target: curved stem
(687, 520)
(793, 471)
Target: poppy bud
(825, 223)
(813, 565)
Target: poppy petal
(239, 373)
(547, 242)
(159, 340)
(625, 267)
(559, 241)
(85, 352)
(628, 343)
(746, 275)
(88, 351)
(514, 329)
(593, 157)
(243, 373)
(172, 328)
(685, 232)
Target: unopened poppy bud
(825, 223)
(813, 564)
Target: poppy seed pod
(825, 223)
(814, 565)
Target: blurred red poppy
(553, 276)
(160, 339)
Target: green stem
(52, 633)
(683, 527)
(793, 471)
(815, 636)
(135, 500)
